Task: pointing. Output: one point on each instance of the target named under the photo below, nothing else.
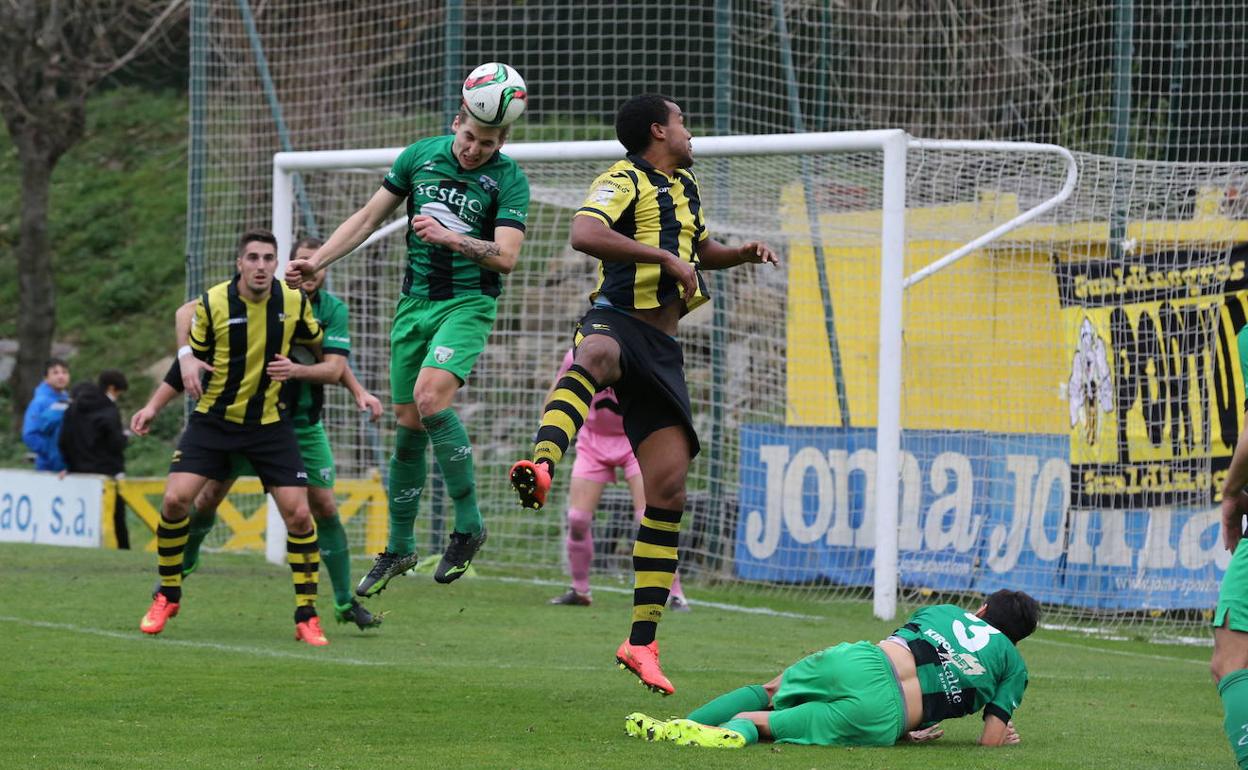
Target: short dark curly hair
(1013, 613)
(635, 116)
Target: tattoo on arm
(477, 250)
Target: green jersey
(305, 399)
(964, 664)
(495, 194)
(1241, 342)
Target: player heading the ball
(446, 309)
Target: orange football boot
(158, 614)
(531, 481)
(310, 631)
(643, 660)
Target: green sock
(408, 469)
(750, 698)
(336, 555)
(743, 726)
(201, 524)
(1233, 688)
(454, 454)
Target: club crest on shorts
(326, 473)
(442, 354)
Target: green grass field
(483, 674)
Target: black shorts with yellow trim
(651, 389)
(208, 443)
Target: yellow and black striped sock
(304, 558)
(654, 567)
(564, 415)
(170, 544)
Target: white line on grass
(242, 650)
(800, 616)
(1123, 653)
(268, 653)
(692, 603)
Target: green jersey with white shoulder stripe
(474, 202)
(963, 664)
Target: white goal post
(893, 144)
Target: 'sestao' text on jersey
(469, 208)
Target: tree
(53, 53)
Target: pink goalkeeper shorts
(597, 457)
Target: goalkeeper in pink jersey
(601, 449)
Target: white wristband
(185, 350)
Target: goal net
(1068, 393)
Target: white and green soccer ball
(495, 94)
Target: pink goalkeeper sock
(580, 552)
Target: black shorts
(272, 450)
(651, 389)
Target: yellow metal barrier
(143, 496)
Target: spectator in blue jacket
(42, 427)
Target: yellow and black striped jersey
(239, 338)
(635, 199)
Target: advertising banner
(978, 512)
(38, 507)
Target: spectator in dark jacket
(43, 416)
(92, 439)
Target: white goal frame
(892, 143)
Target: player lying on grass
(941, 664)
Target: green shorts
(846, 695)
(318, 459)
(1233, 593)
(444, 334)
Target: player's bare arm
(499, 255)
(349, 235)
(366, 401)
(192, 367)
(141, 422)
(326, 372)
(998, 733)
(1233, 499)
(714, 255)
(593, 237)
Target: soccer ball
(495, 94)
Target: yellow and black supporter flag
(1154, 389)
